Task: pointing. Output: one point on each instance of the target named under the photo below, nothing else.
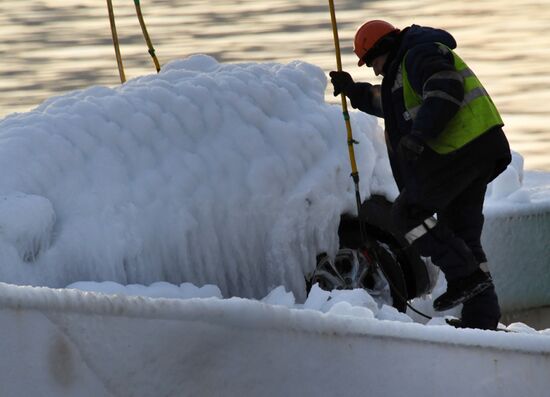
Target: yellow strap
(115, 41)
(146, 35)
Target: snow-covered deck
(516, 236)
(73, 343)
(235, 176)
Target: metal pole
(351, 141)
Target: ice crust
(159, 207)
(232, 175)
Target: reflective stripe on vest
(477, 113)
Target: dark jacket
(424, 58)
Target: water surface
(49, 47)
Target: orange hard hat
(368, 35)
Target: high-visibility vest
(477, 113)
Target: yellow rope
(146, 36)
(115, 41)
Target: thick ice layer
(73, 343)
(516, 236)
(233, 175)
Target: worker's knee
(410, 221)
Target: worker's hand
(342, 82)
(411, 147)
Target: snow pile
(237, 347)
(207, 173)
(160, 289)
(233, 175)
(516, 236)
(26, 224)
(205, 182)
(355, 303)
(518, 192)
(352, 304)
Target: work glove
(411, 146)
(342, 82)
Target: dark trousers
(456, 194)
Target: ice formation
(233, 175)
(159, 198)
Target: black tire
(393, 274)
(375, 214)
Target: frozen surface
(229, 175)
(516, 236)
(209, 173)
(165, 199)
(75, 343)
(233, 175)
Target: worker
(445, 144)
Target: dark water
(49, 47)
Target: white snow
(233, 175)
(75, 343)
(175, 196)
